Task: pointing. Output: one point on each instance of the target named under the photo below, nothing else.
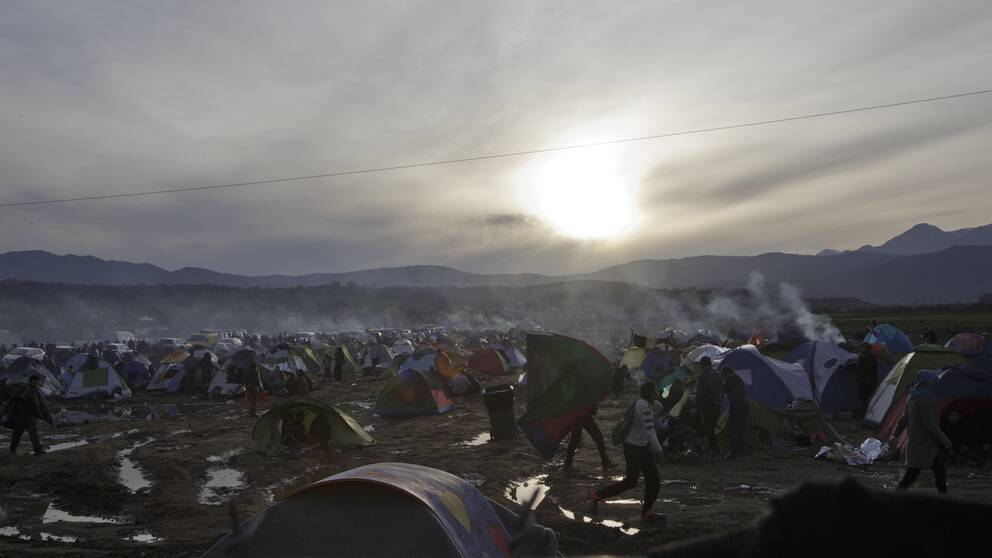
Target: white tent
(103, 381)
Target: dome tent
(834, 380)
(413, 393)
(903, 374)
(771, 382)
(340, 428)
(24, 367)
(895, 341)
(102, 381)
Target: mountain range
(924, 265)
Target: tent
(490, 362)
(377, 356)
(174, 356)
(675, 337)
(771, 382)
(386, 509)
(767, 428)
(329, 421)
(969, 344)
(413, 393)
(964, 388)
(832, 374)
(103, 381)
(658, 364)
(21, 370)
(633, 358)
(894, 341)
(427, 359)
(224, 384)
(135, 373)
(705, 337)
(169, 377)
(403, 346)
(566, 378)
(113, 356)
(350, 366)
(697, 354)
(903, 374)
(513, 356)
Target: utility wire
(496, 155)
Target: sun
(582, 195)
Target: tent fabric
(764, 424)
(566, 378)
(427, 359)
(169, 378)
(903, 374)
(894, 340)
(343, 428)
(513, 356)
(413, 393)
(135, 373)
(697, 354)
(490, 362)
(223, 385)
(21, 370)
(378, 356)
(658, 364)
(834, 380)
(969, 344)
(403, 347)
(954, 383)
(771, 382)
(385, 509)
(97, 382)
(174, 356)
(633, 358)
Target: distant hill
(925, 239)
(952, 275)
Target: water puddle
(67, 445)
(54, 515)
(13, 532)
(521, 493)
(482, 438)
(48, 537)
(625, 502)
(147, 538)
(220, 485)
(132, 477)
(698, 501)
(225, 457)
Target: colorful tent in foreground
(490, 362)
(969, 344)
(413, 393)
(386, 509)
(890, 337)
(566, 378)
(903, 374)
(320, 420)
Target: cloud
(510, 220)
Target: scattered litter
(870, 450)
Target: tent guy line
(95, 197)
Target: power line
(496, 155)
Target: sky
(122, 96)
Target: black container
(499, 404)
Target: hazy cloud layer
(131, 96)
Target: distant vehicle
(31, 352)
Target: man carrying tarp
(23, 410)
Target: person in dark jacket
(587, 422)
(923, 435)
(709, 396)
(736, 392)
(252, 380)
(338, 364)
(24, 408)
(866, 374)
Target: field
(185, 457)
(917, 322)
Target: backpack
(622, 427)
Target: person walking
(709, 396)
(923, 435)
(587, 422)
(338, 364)
(25, 406)
(736, 392)
(641, 450)
(252, 379)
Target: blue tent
(895, 341)
(771, 382)
(658, 364)
(135, 373)
(833, 375)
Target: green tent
(765, 423)
(903, 374)
(350, 366)
(309, 359)
(344, 430)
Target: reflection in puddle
(627, 502)
(522, 492)
(224, 457)
(144, 538)
(482, 438)
(130, 475)
(54, 515)
(220, 482)
(13, 532)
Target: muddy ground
(184, 458)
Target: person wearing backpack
(709, 397)
(641, 450)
